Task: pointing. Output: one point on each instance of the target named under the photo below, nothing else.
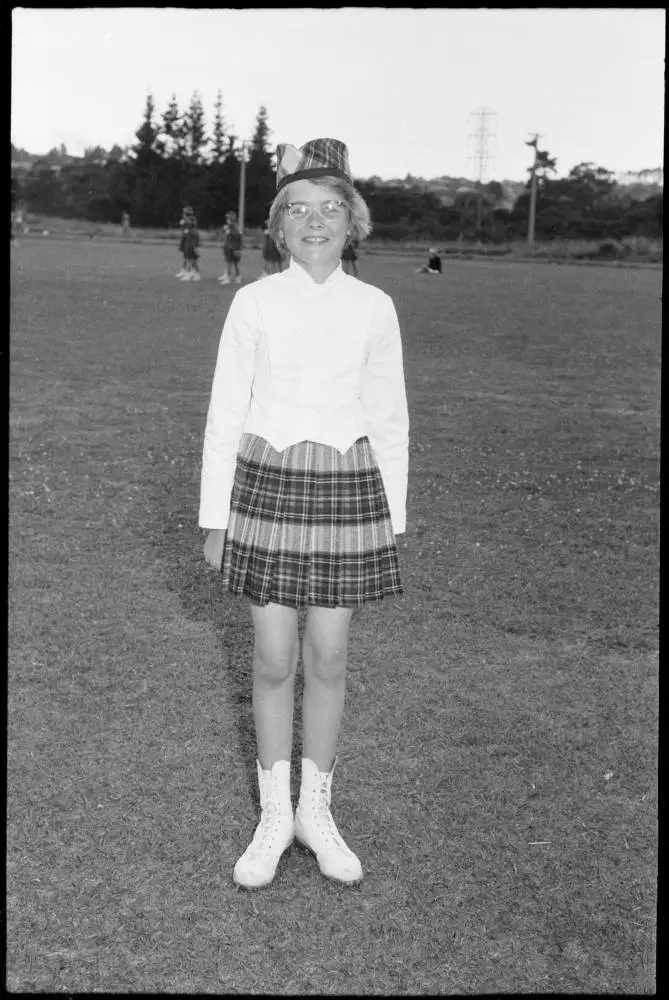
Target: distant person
(433, 265)
(271, 256)
(349, 258)
(187, 219)
(232, 250)
(125, 224)
(17, 223)
(191, 241)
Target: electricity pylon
(482, 135)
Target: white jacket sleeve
(228, 409)
(383, 396)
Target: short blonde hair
(359, 218)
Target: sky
(400, 86)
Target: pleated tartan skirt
(309, 526)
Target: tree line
(174, 162)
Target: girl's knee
(274, 668)
(276, 643)
(323, 662)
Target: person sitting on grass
(433, 265)
(191, 241)
(303, 490)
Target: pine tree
(146, 134)
(144, 180)
(173, 131)
(260, 176)
(218, 140)
(543, 165)
(260, 152)
(196, 135)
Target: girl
(191, 241)
(349, 257)
(232, 250)
(187, 219)
(270, 253)
(304, 485)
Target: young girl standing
(270, 253)
(304, 484)
(349, 258)
(191, 241)
(187, 220)
(232, 250)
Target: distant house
(447, 189)
(651, 176)
(511, 191)
(447, 198)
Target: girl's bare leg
(275, 656)
(324, 655)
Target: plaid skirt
(309, 526)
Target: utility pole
(242, 188)
(533, 190)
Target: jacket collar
(303, 278)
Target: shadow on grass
(178, 544)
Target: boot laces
(269, 827)
(326, 823)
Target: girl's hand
(213, 548)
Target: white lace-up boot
(257, 866)
(315, 828)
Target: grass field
(497, 770)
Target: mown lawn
(497, 771)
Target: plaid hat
(317, 158)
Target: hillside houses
(447, 189)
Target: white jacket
(301, 361)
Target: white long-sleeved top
(298, 361)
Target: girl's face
(317, 237)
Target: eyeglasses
(299, 211)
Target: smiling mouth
(315, 239)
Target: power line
(482, 136)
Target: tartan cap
(317, 158)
